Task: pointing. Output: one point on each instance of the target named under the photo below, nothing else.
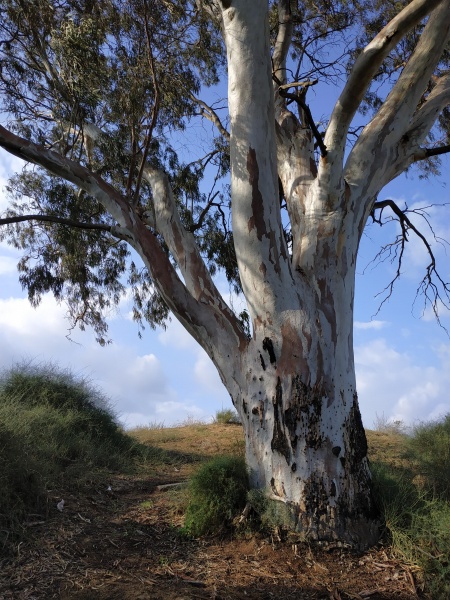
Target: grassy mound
(55, 429)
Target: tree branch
(209, 113)
(309, 119)
(183, 246)
(425, 153)
(365, 68)
(426, 115)
(280, 52)
(389, 127)
(204, 212)
(155, 108)
(58, 165)
(57, 220)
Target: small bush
(429, 447)
(227, 416)
(217, 493)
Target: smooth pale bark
(305, 443)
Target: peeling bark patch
(268, 347)
(259, 410)
(257, 219)
(279, 441)
(292, 355)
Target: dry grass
(199, 441)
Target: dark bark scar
(257, 219)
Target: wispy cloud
(371, 325)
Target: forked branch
(433, 287)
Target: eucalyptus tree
(97, 97)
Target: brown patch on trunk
(256, 221)
(292, 358)
(313, 167)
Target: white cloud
(18, 318)
(8, 165)
(392, 384)
(147, 374)
(206, 374)
(175, 335)
(442, 311)
(370, 324)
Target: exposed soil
(125, 544)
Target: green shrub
(217, 493)
(226, 416)
(429, 447)
(418, 526)
(55, 430)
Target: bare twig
(209, 113)
(395, 252)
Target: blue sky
(402, 357)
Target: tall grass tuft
(217, 493)
(417, 525)
(55, 429)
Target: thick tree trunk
(296, 394)
(306, 450)
(305, 443)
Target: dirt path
(125, 544)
